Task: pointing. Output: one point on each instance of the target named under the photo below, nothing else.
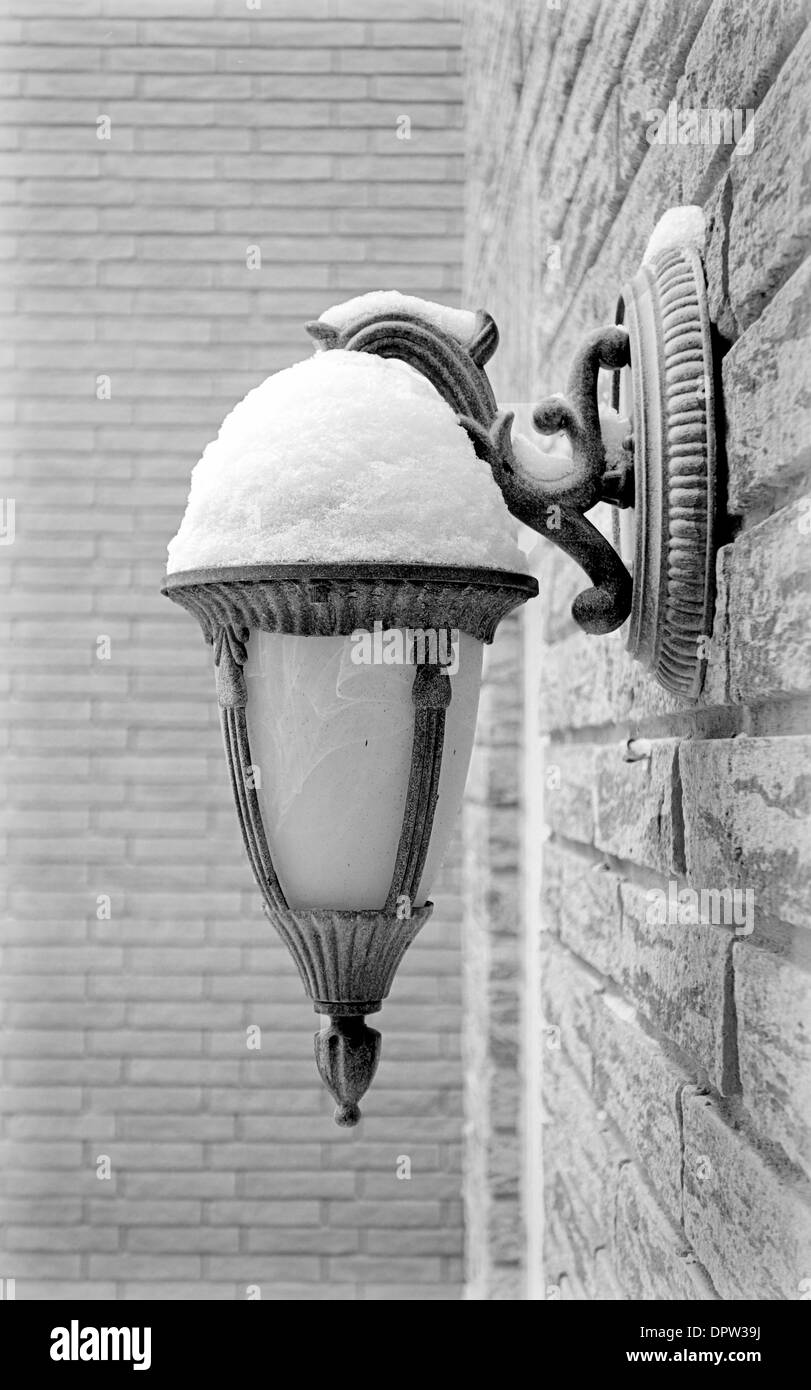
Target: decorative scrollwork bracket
(662, 464)
(555, 508)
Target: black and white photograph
(406, 522)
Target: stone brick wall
(673, 1140)
(124, 1034)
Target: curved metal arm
(555, 508)
(454, 368)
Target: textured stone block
(676, 975)
(571, 1237)
(567, 989)
(747, 1220)
(773, 1002)
(569, 797)
(768, 410)
(606, 1283)
(640, 1087)
(581, 1149)
(638, 806)
(768, 584)
(618, 150)
(616, 46)
(589, 921)
(746, 804)
(731, 66)
(652, 1256)
(580, 685)
(769, 237)
(551, 885)
(551, 269)
(493, 911)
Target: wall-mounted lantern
(348, 775)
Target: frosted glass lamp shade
(348, 698)
(331, 739)
(347, 774)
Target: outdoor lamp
(348, 690)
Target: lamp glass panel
(331, 735)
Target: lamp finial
(347, 1054)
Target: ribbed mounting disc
(665, 310)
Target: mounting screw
(636, 750)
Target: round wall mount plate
(665, 311)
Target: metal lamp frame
(347, 959)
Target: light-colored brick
(767, 407)
(737, 54)
(745, 809)
(570, 798)
(676, 974)
(492, 973)
(581, 1149)
(638, 806)
(651, 1255)
(640, 1087)
(767, 580)
(127, 1036)
(753, 1234)
(588, 915)
(773, 1002)
(769, 238)
(567, 989)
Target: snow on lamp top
(458, 323)
(344, 457)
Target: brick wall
(675, 1059)
(231, 125)
(492, 970)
